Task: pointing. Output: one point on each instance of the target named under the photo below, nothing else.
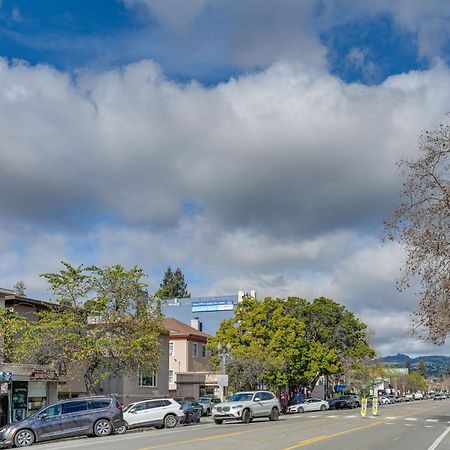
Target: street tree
(11, 326)
(335, 327)
(278, 333)
(173, 285)
(422, 224)
(101, 321)
(422, 369)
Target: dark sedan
(344, 401)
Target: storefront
(24, 389)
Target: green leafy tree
(102, 322)
(422, 369)
(274, 332)
(12, 326)
(173, 285)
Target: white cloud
(276, 181)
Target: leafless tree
(422, 224)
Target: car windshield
(241, 397)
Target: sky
(252, 144)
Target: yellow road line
(225, 435)
(351, 430)
(190, 441)
(300, 444)
(330, 436)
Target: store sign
(6, 376)
(4, 389)
(48, 375)
(212, 305)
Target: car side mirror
(42, 416)
(133, 411)
(257, 399)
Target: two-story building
(190, 373)
(24, 388)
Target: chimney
(195, 323)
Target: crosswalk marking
(432, 420)
(410, 418)
(392, 417)
(351, 417)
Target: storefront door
(3, 410)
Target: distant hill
(435, 364)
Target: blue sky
(253, 144)
(73, 35)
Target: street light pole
(224, 354)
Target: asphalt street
(420, 425)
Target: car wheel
(300, 410)
(103, 427)
(121, 430)
(274, 414)
(246, 416)
(24, 438)
(218, 421)
(170, 421)
(323, 408)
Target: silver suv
(92, 416)
(245, 406)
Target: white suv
(160, 413)
(245, 406)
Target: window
(154, 404)
(139, 407)
(170, 376)
(51, 411)
(267, 396)
(148, 379)
(165, 402)
(194, 350)
(170, 348)
(203, 350)
(97, 404)
(73, 407)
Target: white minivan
(158, 413)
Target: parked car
(310, 404)
(418, 396)
(208, 403)
(160, 413)
(392, 399)
(245, 406)
(384, 401)
(92, 416)
(439, 397)
(193, 411)
(345, 401)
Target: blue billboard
(212, 305)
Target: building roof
(180, 329)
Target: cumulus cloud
(255, 34)
(276, 180)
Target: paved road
(421, 425)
